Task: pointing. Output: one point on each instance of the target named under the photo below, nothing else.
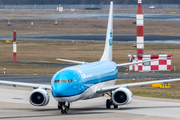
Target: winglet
(107, 55)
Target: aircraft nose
(58, 90)
(55, 93)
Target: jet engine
(39, 97)
(122, 96)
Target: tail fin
(107, 55)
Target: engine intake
(39, 97)
(122, 96)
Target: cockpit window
(63, 81)
(56, 81)
(70, 81)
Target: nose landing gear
(64, 106)
(64, 110)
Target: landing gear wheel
(64, 106)
(62, 110)
(68, 105)
(108, 104)
(115, 106)
(59, 107)
(66, 111)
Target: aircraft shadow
(76, 111)
(89, 108)
(130, 108)
(57, 112)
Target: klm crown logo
(110, 40)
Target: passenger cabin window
(63, 81)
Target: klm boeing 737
(87, 80)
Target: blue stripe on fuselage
(83, 76)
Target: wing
(26, 84)
(113, 87)
(77, 62)
(125, 64)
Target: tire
(115, 106)
(60, 104)
(59, 107)
(68, 106)
(62, 111)
(108, 104)
(66, 111)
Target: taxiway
(14, 105)
(46, 79)
(120, 16)
(155, 39)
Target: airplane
(87, 80)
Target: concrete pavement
(14, 104)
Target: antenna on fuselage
(107, 55)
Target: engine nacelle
(39, 97)
(122, 96)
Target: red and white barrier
(161, 65)
(140, 24)
(14, 47)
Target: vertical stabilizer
(107, 55)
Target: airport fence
(116, 7)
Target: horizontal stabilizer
(72, 61)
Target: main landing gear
(109, 103)
(64, 107)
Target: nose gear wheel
(64, 107)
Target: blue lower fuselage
(72, 81)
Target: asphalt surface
(121, 16)
(46, 79)
(155, 39)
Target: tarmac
(46, 79)
(119, 16)
(14, 105)
(122, 38)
